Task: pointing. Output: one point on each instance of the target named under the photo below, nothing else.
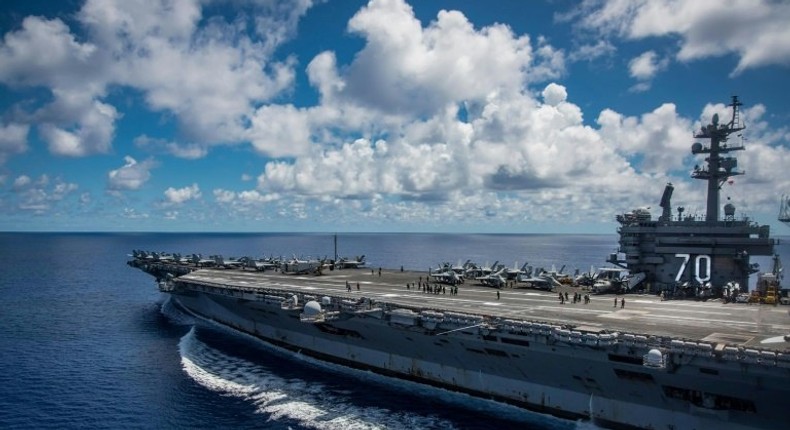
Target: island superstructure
(685, 255)
(647, 363)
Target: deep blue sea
(88, 342)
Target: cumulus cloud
(131, 176)
(92, 130)
(21, 182)
(407, 68)
(406, 72)
(554, 94)
(13, 140)
(186, 151)
(646, 65)
(280, 131)
(42, 195)
(45, 53)
(249, 202)
(178, 196)
(209, 76)
(429, 120)
(133, 213)
(509, 142)
(662, 138)
(756, 31)
(590, 52)
(208, 72)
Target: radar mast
(719, 168)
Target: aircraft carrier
(626, 361)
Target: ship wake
(309, 404)
(313, 405)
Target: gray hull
(535, 366)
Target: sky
(382, 116)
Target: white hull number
(701, 267)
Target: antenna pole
(719, 168)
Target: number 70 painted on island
(699, 261)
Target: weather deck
(713, 321)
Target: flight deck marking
(624, 315)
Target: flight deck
(735, 324)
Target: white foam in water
(380, 418)
(310, 404)
(387, 419)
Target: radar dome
(696, 147)
(729, 209)
(312, 308)
(654, 358)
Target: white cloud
(280, 131)
(662, 138)
(21, 182)
(224, 196)
(646, 65)
(131, 176)
(40, 196)
(13, 140)
(209, 76)
(755, 30)
(248, 202)
(407, 69)
(178, 196)
(209, 72)
(91, 133)
(323, 75)
(554, 94)
(590, 52)
(186, 151)
(442, 120)
(132, 213)
(45, 53)
(510, 142)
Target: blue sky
(452, 116)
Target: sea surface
(88, 342)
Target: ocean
(88, 342)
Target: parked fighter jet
(473, 271)
(199, 261)
(259, 265)
(538, 278)
(222, 262)
(350, 263)
(496, 279)
(511, 274)
(446, 275)
(609, 280)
